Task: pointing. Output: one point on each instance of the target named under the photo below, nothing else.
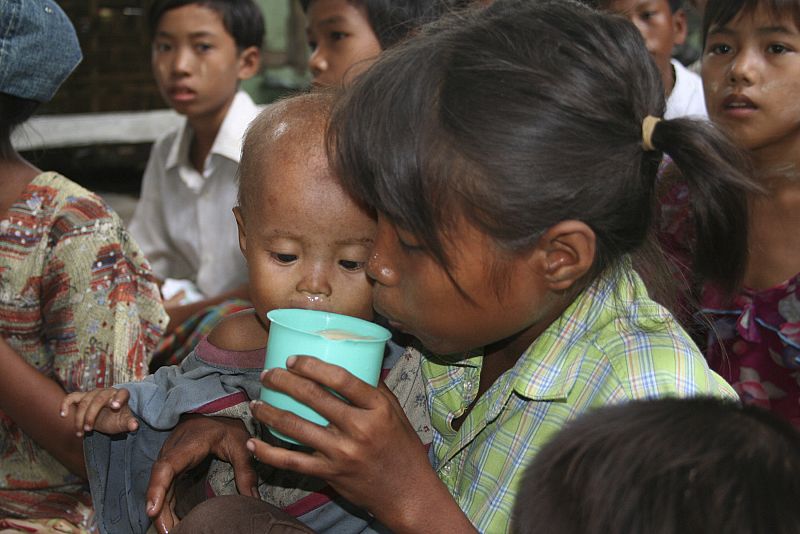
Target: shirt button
(468, 385)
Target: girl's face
(307, 242)
(416, 295)
(341, 39)
(751, 79)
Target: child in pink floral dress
(751, 74)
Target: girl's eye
(202, 47)
(777, 49)
(284, 258)
(408, 247)
(337, 36)
(647, 15)
(350, 265)
(719, 49)
(161, 47)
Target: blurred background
(99, 128)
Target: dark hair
(720, 12)
(515, 117)
(674, 5)
(13, 112)
(394, 20)
(667, 466)
(242, 19)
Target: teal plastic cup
(354, 344)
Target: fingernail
(290, 361)
(251, 446)
(63, 413)
(254, 491)
(263, 374)
(87, 428)
(114, 404)
(150, 506)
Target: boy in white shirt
(663, 25)
(201, 51)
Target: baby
(305, 241)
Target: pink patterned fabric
(753, 341)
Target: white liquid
(338, 334)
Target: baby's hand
(105, 410)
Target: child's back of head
(667, 466)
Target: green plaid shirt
(612, 344)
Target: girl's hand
(104, 409)
(194, 439)
(369, 453)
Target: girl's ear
(237, 213)
(566, 253)
(680, 27)
(249, 62)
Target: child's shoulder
(241, 331)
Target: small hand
(175, 300)
(104, 409)
(194, 439)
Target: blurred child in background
(346, 36)
(663, 26)
(201, 51)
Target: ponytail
(717, 174)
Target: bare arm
(33, 402)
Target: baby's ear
(567, 251)
(237, 213)
(249, 62)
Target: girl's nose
(380, 271)
(317, 63)
(379, 266)
(743, 69)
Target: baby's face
(306, 242)
(341, 39)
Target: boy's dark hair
(674, 5)
(668, 466)
(720, 12)
(394, 20)
(242, 19)
(514, 117)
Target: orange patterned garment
(78, 302)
